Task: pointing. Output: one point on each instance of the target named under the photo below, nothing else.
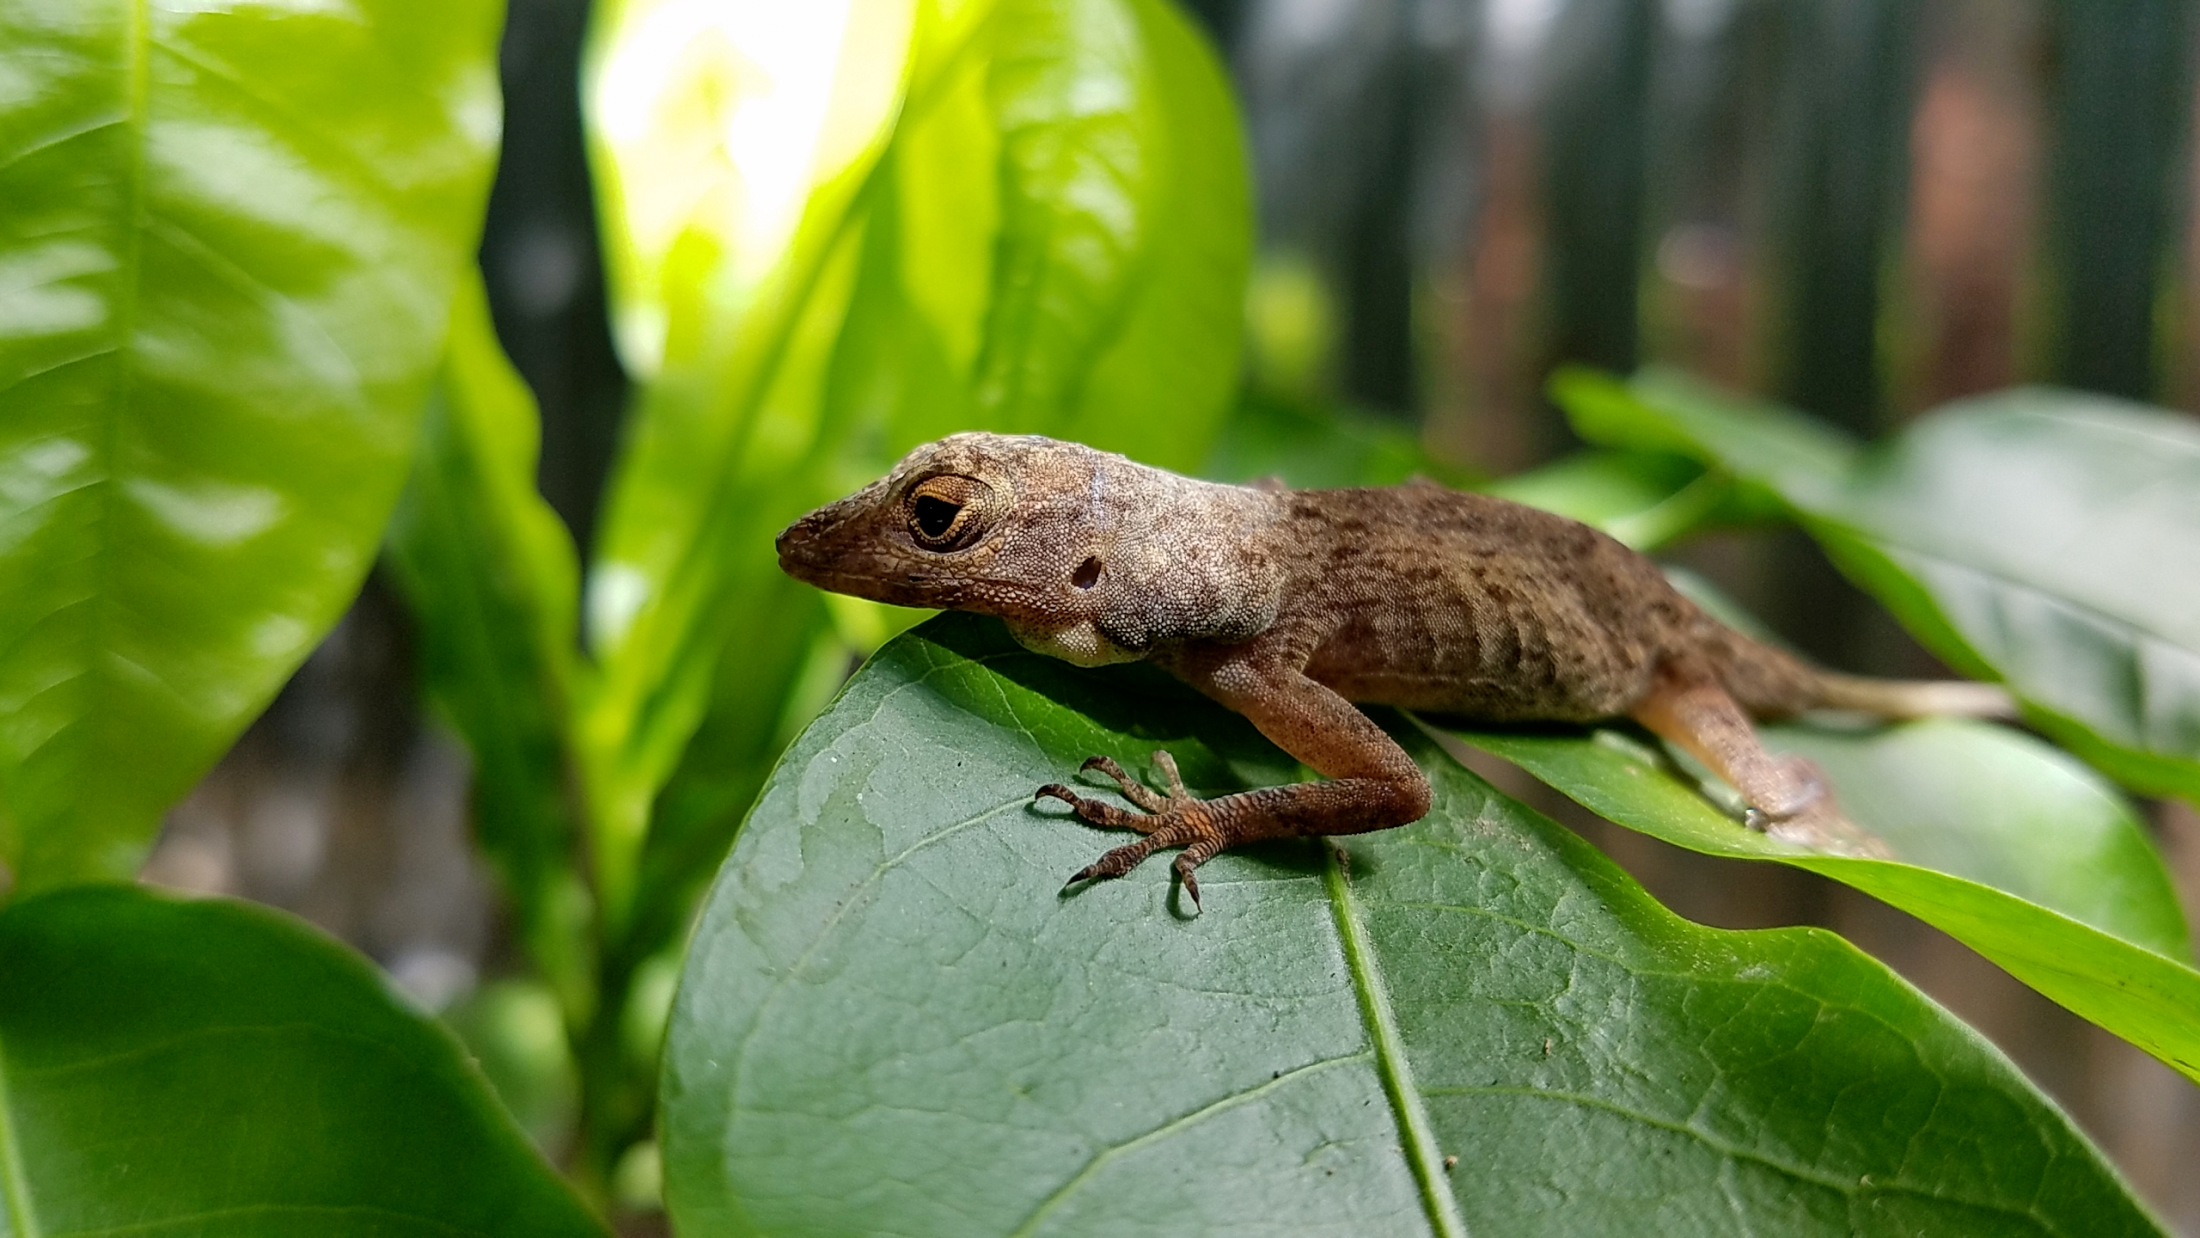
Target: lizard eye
(935, 516)
(942, 513)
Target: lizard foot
(1806, 814)
(1822, 827)
(1173, 820)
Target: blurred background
(1861, 207)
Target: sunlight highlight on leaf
(717, 120)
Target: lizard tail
(1900, 698)
(1771, 682)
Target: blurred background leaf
(2049, 539)
(491, 577)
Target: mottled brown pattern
(1288, 606)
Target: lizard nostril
(1087, 574)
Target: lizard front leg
(1373, 784)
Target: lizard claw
(1176, 819)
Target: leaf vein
(1105, 1156)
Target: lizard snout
(829, 545)
(798, 542)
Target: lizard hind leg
(1787, 795)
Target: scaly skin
(1289, 606)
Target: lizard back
(1432, 599)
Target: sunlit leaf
(892, 1019)
(231, 234)
(733, 144)
(213, 1067)
(716, 126)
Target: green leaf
(231, 235)
(2001, 842)
(1166, 368)
(172, 1067)
(891, 1018)
(731, 197)
(1665, 411)
(2053, 537)
(1312, 447)
(2050, 539)
(515, 1032)
(490, 574)
(1643, 499)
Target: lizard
(1295, 607)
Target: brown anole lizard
(1289, 606)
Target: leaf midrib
(1391, 1062)
(138, 44)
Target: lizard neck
(1183, 560)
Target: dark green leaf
(178, 1067)
(891, 1019)
(2001, 842)
(232, 233)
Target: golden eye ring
(942, 511)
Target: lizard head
(1087, 555)
(987, 522)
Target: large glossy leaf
(2050, 539)
(229, 234)
(2004, 844)
(171, 1067)
(892, 1019)
(490, 574)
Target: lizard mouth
(809, 553)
